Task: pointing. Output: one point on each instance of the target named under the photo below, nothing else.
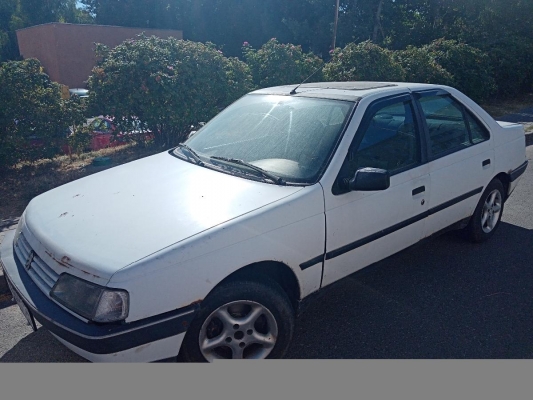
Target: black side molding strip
(517, 173)
(452, 202)
(375, 236)
(312, 262)
(361, 242)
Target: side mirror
(191, 134)
(369, 180)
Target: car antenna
(293, 91)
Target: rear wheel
(241, 320)
(488, 213)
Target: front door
(365, 227)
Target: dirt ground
(27, 180)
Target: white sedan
(210, 248)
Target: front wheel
(241, 320)
(488, 213)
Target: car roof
(351, 91)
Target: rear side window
(479, 132)
(451, 128)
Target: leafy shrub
(470, 67)
(167, 84)
(420, 66)
(280, 64)
(80, 140)
(34, 119)
(512, 62)
(365, 61)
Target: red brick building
(66, 51)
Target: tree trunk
(377, 22)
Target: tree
(167, 84)
(34, 118)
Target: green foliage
(80, 140)
(512, 61)
(34, 119)
(280, 64)
(469, 66)
(239, 79)
(420, 66)
(365, 61)
(167, 84)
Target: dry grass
(27, 180)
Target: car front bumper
(149, 339)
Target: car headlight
(93, 302)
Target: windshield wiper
(193, 153)
(266, 174)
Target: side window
(479, 132)
(448, 129)
(390, 141)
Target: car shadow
(443, 298)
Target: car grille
(43, 276)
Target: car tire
(488, 213)
(241, 319)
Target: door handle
(419, 190)
(486, 162)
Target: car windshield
(288, 137)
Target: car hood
(108, 220)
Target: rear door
(461, 158)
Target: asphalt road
(444, 298)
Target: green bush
(280, 64)
(34, 119)
(80, 140)
(512, 62)
(365, 61)
(470, 67)
(167, 84)
(420, 66)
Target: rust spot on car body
(195, 302)
(61, 263)
(65, 262)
